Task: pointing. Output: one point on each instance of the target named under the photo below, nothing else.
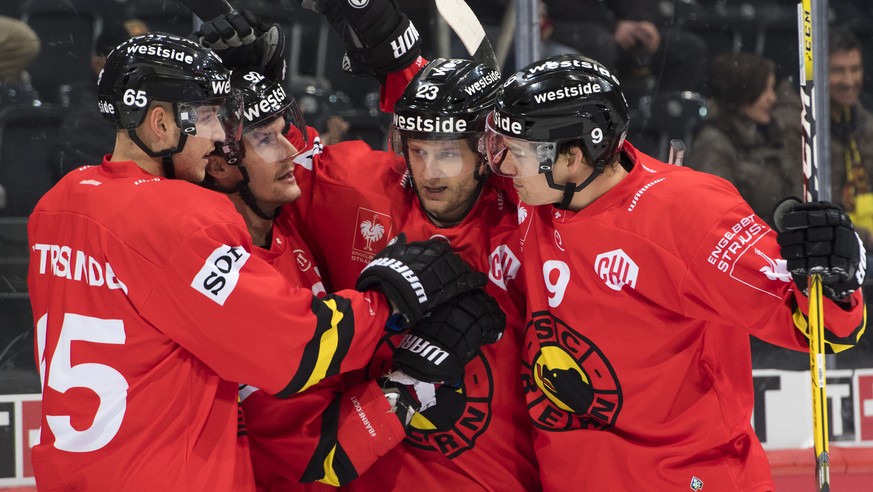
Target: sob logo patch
(220, 273)
(568, 382)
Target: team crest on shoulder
(372, 234)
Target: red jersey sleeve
(330, 434)
(248, 338)
(395, 84)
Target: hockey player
(354, 200)
(644, 282)
(148, 304)
(256, 172)
(477, 434)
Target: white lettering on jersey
(616, 269)
(363, 416)
(71, 264)
(220, 273)
(640, 192)
(504, 265)
(734, 242)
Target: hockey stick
(461, 18)
(812, 124)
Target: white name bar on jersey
(65, 262)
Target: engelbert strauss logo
(616, 269)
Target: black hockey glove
(379, 38)
(407, 395)
(418, 276)
(242, 40)
(443, 342)
(819, 238)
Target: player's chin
(291, 193)
(529, 198)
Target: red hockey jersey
(477, 436)
(306, 437)
(637, 366)
(144, 325)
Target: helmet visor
(443, 157)
(216, 119)
(268, 138)
(516, 157)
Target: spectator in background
(851, 133)
(84, 135)
(851, 144)
(19, 45)
(742, 141)
(623, 36)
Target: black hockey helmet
(560, 99)
(172, 69)
(446, 99)
(446, 103)
(264, 101)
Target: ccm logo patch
(220, 273)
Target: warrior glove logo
(220, 273)
(423, 348)
(404, 271)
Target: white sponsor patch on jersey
(504, 265)
(220, 273)
(616, 269)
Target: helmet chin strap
(242, 187)
(249, 200)
(166, 155)
(570, 188)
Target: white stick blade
(460, 17)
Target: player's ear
(217, 167)
(160, 122)
(575, 160)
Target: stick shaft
(814, 121)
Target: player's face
(268, 160)
(190, 163)
(845, 74)
(444, 173)
(535, 189)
